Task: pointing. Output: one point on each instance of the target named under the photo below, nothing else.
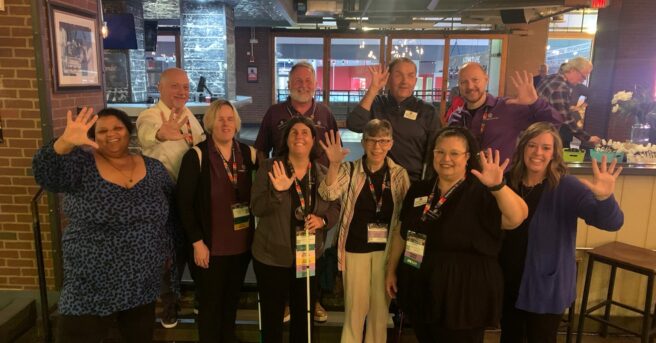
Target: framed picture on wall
(74, 46)
(252, 74)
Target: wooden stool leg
(609, 299)
(584, 299)
(570, 323)
(647, 315)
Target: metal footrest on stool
(635, 259)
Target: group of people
(464, 226)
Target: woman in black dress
(450, 283)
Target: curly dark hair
(120, 115)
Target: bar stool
(628, 257)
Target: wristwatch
(497, 187)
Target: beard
(299, 96)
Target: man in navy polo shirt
(302, 85)
(497, 122)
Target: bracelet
(497, 187)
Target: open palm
(526, 93)
(603, 178)
(333, 147)
(491, 173)
(278, 176)
(76, 129)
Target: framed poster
(74, 45)
(252, 74)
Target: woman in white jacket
(373, 187)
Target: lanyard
(187, 135)
(231, 172)
(484, 120)
(378, 200)
(442, 199)
(297, 185)
(291, 115)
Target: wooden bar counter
(635, 191)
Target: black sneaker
(169, 318)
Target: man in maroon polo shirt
(302, 85)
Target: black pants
(219, 287)
(135, 325)
(275, 284)
(429, 333)
(566, 136)
(519, 326)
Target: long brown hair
(556, 168)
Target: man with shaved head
(497, 122)
(166, 131)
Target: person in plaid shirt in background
(557, 90)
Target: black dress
(459, 283)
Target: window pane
(160, 60)
(428, 55)
(349, 76)
(561, 50)
(487, 52)
(290, 50)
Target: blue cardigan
(549, 280)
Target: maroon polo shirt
(271, 130)
(225, 240)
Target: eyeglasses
(384, 142)
(583, 76)
(452, 154)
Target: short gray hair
(303, 64)
(210, 115)
(377, 127)
(578, 63)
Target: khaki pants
(365, 298)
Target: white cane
(307, 283)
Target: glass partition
(290, 50)
(428, 55)
(487, 52)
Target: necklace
(129, 178)
(525, 190)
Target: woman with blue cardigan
(538, 258)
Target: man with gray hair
(415, 122)
(557, 90)
(302, 85)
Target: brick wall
(20, 116)
(624, 56)
(261, 91)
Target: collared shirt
(555, 90)
(272, 127)
(415, 124)
(497, 124)
(169, 152)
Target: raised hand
(170, 129)
(491, 173)
(75, 133)
(279, 179)
(379, 76)
(334, 150)
(603, 179)
(526, 93)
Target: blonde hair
(210, 115)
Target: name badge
(421, 201)
(377, 233)
(414, 249)
(240, 216)
(410, 115)
(305, 254)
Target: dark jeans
(170, 280)
(219, 287)
(518, 326)
(429, 333)
(566, 136)
(275, 284)
(135, 326)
